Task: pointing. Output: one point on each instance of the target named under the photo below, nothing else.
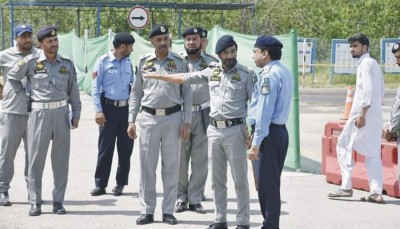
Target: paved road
(304, 202)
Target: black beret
(224, 42)
(48, 31)
(396, 47)
(158, 30)
(267, 42)
(192, 31)
(204, 33)
(123, 38)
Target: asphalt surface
(304, 201)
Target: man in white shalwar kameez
(363, 130)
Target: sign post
(138, 17)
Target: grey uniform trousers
(12, 131)
(229, 145)
(191, 190)
(45, 126)
(159, 132)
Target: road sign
(138, 17)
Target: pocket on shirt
(62, 81)
(40, 80)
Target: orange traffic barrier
(331, 168)
(348, 104)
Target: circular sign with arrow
(138, 17)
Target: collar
(43, 57)
(361, 58)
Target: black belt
(116, 103)
(166, 111)
(226, 123)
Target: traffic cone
(348, 104)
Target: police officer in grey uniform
(195, 150)
(231, 87)
(13, 115)
(161, 125)
(392, 129)
(53, 85)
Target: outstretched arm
(178, 78)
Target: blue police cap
(48, 31)
(396, 47)
(158, 30)
(192, 31)
(267, 42)
(123, 38)
(204, 33)
(20, 29)
(224, 42)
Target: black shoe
(169, 219)
(197, 208)
(180, 207)
(4, 199)
(98, 191)
(117, 191)
(243, 227)
(145, 219)
(36, 210)
(218, 226)
(58, 208)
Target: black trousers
(273, 151)
(115, 129)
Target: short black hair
(274, 53)
(362, 38)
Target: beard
(192, 51)
(229, 63)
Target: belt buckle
(221, 124)
(160, 111)
(122, 103)
(52, 105)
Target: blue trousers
(114, 130)
(273, 151)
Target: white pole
(304, 60)
(86, 36)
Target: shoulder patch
(264, 90)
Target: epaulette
(211, 56)
(143, 56)
(29, 57)
(214, 65)
(177, 55)
(183, 55)
(101, 58)
(244, 68)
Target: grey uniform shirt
(49, 81)
(394, 122)
(13, 103)
(201, 93)
(159, 94)
(229, 91)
